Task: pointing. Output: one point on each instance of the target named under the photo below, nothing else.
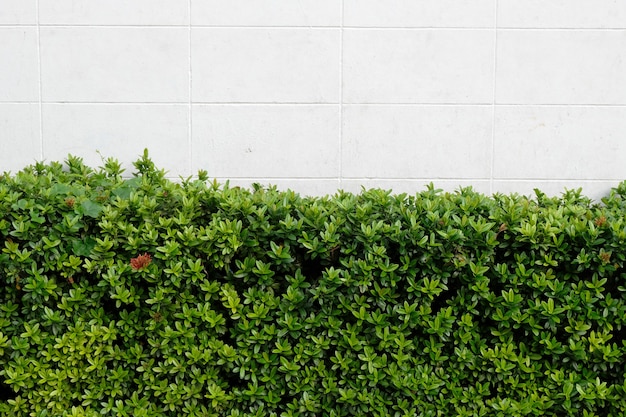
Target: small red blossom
(140, 261)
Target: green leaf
(58, 188)
(83, 247)
(91, 209)
(127, 188)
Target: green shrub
(144, 297)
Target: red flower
(140, 261)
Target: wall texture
(316, 95)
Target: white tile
(418, 142)
(19, 74)
(18, 12)
(272, 141)
(562, 13)
(569, 142)
(82, 64)
(114, 12)
(265, 65)
(596, 190)
(266, 12)
(120, 131)
(413, 187)
(418, 66)
(19, 129)
(304, 187)
(423, 13)
(561, 67)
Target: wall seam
(341, 103)
(422, 179)
(493, 114)
(190, 106)
(41, 137)
(305, 27)
(313, 103)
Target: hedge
(145, 297)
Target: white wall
(316, 95)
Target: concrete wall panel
(503, 95)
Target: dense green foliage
(144, 297)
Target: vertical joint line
(341, 97)
(189, 109)
(41, 138)
(493, 105)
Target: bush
(144, 297)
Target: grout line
(493, 113)
(342, 27)
(276, 178)
(265, 103)
(308, 27)
(560, 105)
(116, 103)
(341, 102)
(421, 28)
(107, 26)
(558, 180)
(341, 150)
(182, 103)
(41, 137)
(564, 29)
(189, 25)
(483, 180)
(96, 26)
(190, 115)
(261, 103)
(305, 27)
(373, 178)
(418, 179)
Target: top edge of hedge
(146, 297)
(73, 170)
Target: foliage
(145, 297)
